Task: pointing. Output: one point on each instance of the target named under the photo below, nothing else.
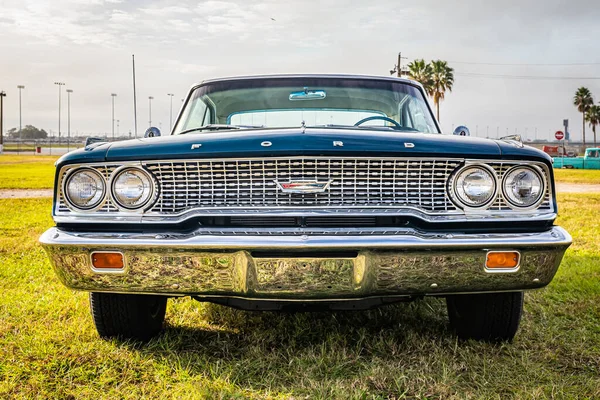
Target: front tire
(491, 317)
(128, 316)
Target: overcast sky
(88, 45)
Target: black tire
(128, 316)
(491, 317)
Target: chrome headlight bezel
(152, 189)
(544, 188)
(454, 192)
(65, 192)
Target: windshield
(309, 101)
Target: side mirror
(461, 131)
(152, 132)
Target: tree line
(437, 77)
(28, 132)
(584, 101)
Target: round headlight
(132, 188)
(85, 189)
(523, 187)
(475, 186)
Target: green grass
(577, 175)
(26, 172)
(49, 348)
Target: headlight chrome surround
(509, 197)
(145, 179)
(461, 198)
(101, 184)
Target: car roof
(325, 76)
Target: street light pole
(118, 128)
(171, 112)
(59, 84)
(150, 98)
(2, 96)
(20, 87)
(113, 95)
(69, 91)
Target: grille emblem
(303, 186)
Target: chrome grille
(251, 183)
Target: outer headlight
(523, 186)
(85, 189)
(475, 186)
(132, 188)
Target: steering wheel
(374, 117)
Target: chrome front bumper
(296, 266)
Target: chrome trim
(407, 264)
(70, 204)
(502, 270)
(153, 189)
(403, 239)
(454, 196)
(306, 187)
(539, 201)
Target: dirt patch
(577, 188)
(25, 193)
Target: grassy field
(26, 172)
(49, 348)
(577, 175)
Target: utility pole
(2, 96)
(59, 84)
(171, 112)
(113, 95)
(398, 67)
(20, 87)
(134, 98)
(69, 91)
(150, 98)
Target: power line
(528, 77)
(524, 64)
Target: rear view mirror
(308, 95)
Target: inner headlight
(475, 186)
(132, 188)
(523, 187)
(85, 189)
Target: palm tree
(442, 79)
(592, 116)
(421, 72)
(583, 100)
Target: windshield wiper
(211, 127)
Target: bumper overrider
(303, 267)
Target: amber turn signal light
(107, 260)
(502, 259)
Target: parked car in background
(590, 160)
(557, 151)
(306, 192)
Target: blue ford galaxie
(305, 192)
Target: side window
(593, 154)
(418, 116)
(197, 114)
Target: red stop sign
(559, 135)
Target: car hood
(302, 142)
(289, 142)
